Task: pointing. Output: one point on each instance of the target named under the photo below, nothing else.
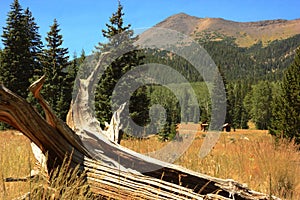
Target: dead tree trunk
(112, 170)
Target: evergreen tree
(258, 103)
(168, 132)
(236, 94)
(22, 46)
(0, 61)
(82, 57)
(77, 69)
(276, 125)
(83, 66)
(2, 124)
(74, 66)
(58, 86)
(219, 102)
(138, 102)
(288, 120)
(36, 46)
(185, 110)
(120, 45)
(76, 63)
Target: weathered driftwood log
(112, 170)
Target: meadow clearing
(249, 156)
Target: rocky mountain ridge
(245, 33)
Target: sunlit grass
(247, 156)
(16, 160)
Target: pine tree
(168, 132)
(0, 61)
(36, 46)
(138, 102)
(288, 120)
(265, 102)
(185, 110)
(120, 45)
(236, 94)
(22, 46)
(219, 102)
(58, 87)
(258, 103)
(82, 57)
(2, 124)
(276, 125)
(168, 100)
(84, 67)
(76, 69)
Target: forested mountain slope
(243, 50)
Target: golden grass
(16, 160)
(247, 156)
(65, 183)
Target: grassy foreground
(252, 157)
(249, 156)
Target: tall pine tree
(36, 46)
(76, 69)
(276, 125)
(22, 46)
(258, 102)
(287, 120)
(58, 86)
(0, 60)
(219, 114)
(120, 45)
(236, 94)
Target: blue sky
(81, 21)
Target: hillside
(243, 50)
(246, 34)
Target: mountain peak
(181, 22)
(245, 33)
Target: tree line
(25, 58)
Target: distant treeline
(253, 78)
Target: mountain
(250, 51)
(245, 33)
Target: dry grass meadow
(250, 156)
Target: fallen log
(112, 170)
